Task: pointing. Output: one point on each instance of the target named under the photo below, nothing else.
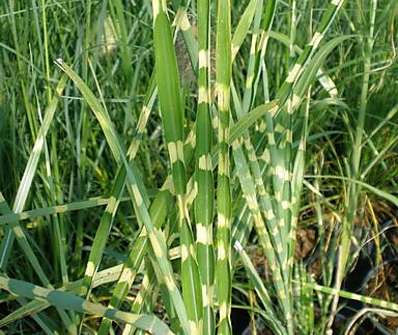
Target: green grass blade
(223, 80)
(204, 201)
(64, 300)
(172, 111)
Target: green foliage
(148, 147)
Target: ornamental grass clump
(147, 194)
